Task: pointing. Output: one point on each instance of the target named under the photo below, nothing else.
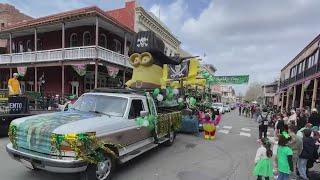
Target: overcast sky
(238, 36)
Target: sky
(238, 37)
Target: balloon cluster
(168, 95)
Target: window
(293, 72)
(39, 44)
(29, 46)
(117, 46)
(135, 109)
(13, 47)
(2, 25)
(20, 47)
(103, 40)
(86, 39)
(73, 40)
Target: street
(229, 156)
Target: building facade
(299, 79)
(138, 19)
(269, 93)
(67, 53)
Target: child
(263, 162)
(284, 157)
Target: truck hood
(34, 132)
(69, 122)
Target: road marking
(227, 127)
(245, 129)
(224, 131)
(245, 134)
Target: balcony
(73, 53)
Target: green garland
(12, 134)
(168, 121)
(85, 145)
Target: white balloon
(180, 100)
(160, 97)
(176, 91)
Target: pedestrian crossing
(244, 131)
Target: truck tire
(101, 171)
(171, 136)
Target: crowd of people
(293, 150)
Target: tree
(254, 92)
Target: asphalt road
(230, 156)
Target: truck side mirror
(144, 113)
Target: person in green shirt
(284, 157)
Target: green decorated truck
(102, 128)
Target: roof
(66, 16)
(120, 95)
(302, 51)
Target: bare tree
(254, 92)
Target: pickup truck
(98, 132)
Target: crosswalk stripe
(245, 134)
(227, 127)
(245, 129)
(224, 131)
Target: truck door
(140, 132)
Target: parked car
(233, 106)
(99, 131)
(226, 108)
(219, 106)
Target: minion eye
(135, 59)
(146, 59)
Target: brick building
(138, 19)
(299, 87)
(9, 15)
(72, 52)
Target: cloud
(248, 36)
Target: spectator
(309, 153)
(263, 123)
(284, 157)
(292, 118)
(314, 118)
(263, 162)
(301, 120)
(296, 145)
(279, 125)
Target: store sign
(18, 105)
(22, 70)
(80, 69)
(242, 79)
(178, 71)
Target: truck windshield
(110, 105)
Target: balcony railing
(73, 53)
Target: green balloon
(193, 101)
(156, 92)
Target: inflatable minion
(147, 58)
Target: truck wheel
(171, 136)
(101, 171)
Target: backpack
(264, 120)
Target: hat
(15, 74)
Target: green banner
(242, 79)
